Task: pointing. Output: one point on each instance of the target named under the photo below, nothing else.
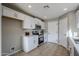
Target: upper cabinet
(77, 19)
(39, 22)
(28, 23)
(12, 13)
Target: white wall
(11, 35)
(0, 28)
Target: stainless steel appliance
(40, 34)
(37, 27)
(40, 39)
(35, 32)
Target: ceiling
(46, 11)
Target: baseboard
(13, 52)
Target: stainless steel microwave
(37, 27)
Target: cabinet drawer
(28, 23)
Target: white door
(63, 28)
(53, 31)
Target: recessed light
(65, 9)
(29, 6)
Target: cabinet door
(32, 23)
(27, 23)
(31, 43)
(39, 21)
(36, 21)
(9, 12)
(35, 41)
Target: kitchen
(24, 31)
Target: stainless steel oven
(40, 39)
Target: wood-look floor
(47, 49)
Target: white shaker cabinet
(28, 23)
(8, 12)
(29, 43)
(33, 23)
(42, 24)
(34, 41)
(39, 22)
(36, 21)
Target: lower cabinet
(29, 43)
